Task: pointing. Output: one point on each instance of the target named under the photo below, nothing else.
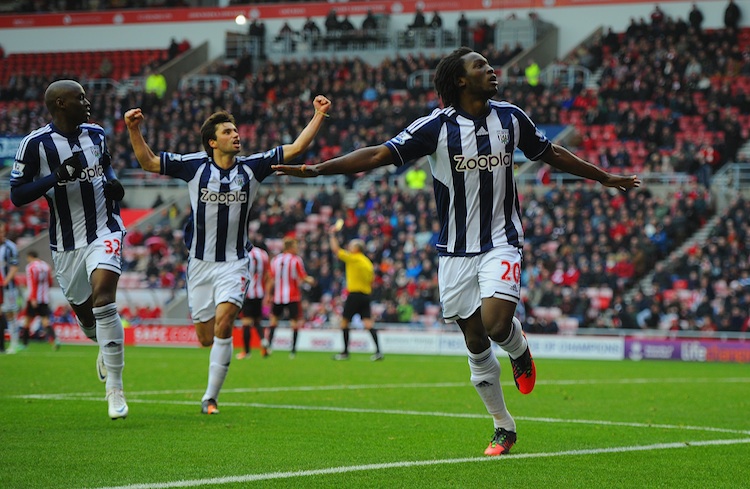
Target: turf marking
(311, 388)
(398, 412)
(419, 463)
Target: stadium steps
(744, 152)
(697, 239)
(593, 82)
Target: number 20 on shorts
(510, 271)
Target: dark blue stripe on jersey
(222, 220)
(242, 230)
(66, 222)
(113, 208)
(52, 223)
(511, 233)
(200, 218)
(61, 201)
(87, 197)
(518, 213)
(89, 210)
(189, 231)
(442, 202)
(459, 187)
(486, 188)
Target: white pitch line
(312, 388)
(401, 412)
(419, 463)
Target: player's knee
(499, 328)
(205, 339)
(476, 343)
(103, 296)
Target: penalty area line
(418, 463)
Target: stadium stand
(586, 249)
(115, 65)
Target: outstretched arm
(322, 106)
(562, 159)
(333, 241)
(146, 158)
(362, 159)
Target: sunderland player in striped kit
(469, 144)
(222, 187)
(9, 268)
(67, 162)
(287, 274)
(38, 283)
(252, 307)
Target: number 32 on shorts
(510, 271)
(112, 246)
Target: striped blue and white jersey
(472, 167)
(8, 258)
(220, 200)
(79, 212)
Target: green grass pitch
(409, 421)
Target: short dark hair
(32, 254)
(208, 129)
(447, 73)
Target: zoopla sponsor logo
(88, 174)
(211, 197)
(482, 162)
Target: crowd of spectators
(337, 33)
(671, 98)
(578, 237)
(47, 6)
(706, 289)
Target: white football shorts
(73, 268)
(210, 283)
(466, 280)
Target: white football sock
(111, 339)
(485, 376)
(13, 330)
(515, 344)
(219, 358)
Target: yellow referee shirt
(359, 272)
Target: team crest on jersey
(503, 135)
(96, 152)
(239, 180)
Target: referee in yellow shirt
(359, 277)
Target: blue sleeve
(25, 193)
(181, 166)
(417, 140)
(23, 186)
(260, 163)
(531, 141)
(109, 173)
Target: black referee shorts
(357, 303)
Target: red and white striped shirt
(259, 265)
(38, 281)
(287, 271)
